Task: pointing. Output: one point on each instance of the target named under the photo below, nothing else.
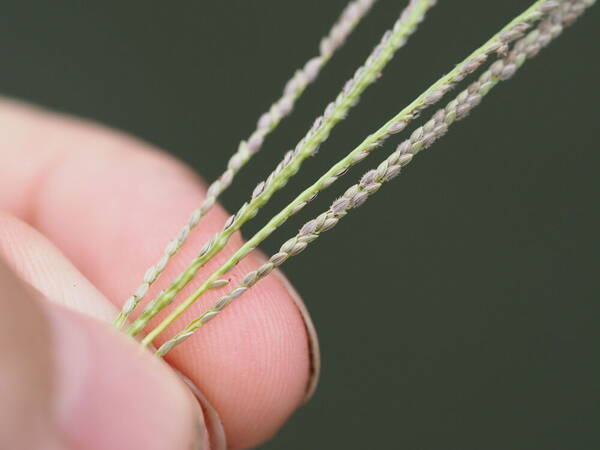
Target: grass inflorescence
(497, 59)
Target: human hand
(83, 212)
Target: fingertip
(253, 361)
(110, 394)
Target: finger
(25, 411)
(39, 263)
(111, 205)
(66, 382)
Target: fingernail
(311, 333)
(210, 434)
(201, 440)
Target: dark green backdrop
(458, 309)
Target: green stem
(442, 85)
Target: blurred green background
(457, 309)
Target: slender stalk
(498, 42)
(421, 139)
(268, 121)
(412, 15)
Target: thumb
(70, 382)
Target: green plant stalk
(268, 122)
(404, 27)
(370, 183)
(431, 95)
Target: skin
(83, 212)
